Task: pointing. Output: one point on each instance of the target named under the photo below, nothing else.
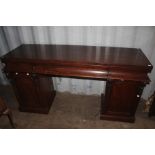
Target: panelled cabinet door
(33, 92)
(122, 97)
(25, 90)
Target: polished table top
(92, 55)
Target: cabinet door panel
(122, 97)
(25, 90)
(33, 92)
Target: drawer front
(70, 71)
(19, 67)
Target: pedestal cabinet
(116, 105)
(34, 93)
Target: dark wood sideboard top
(75, 54)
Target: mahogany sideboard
(31, 66)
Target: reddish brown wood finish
(121, 100)
(34, 93)
(125, 69)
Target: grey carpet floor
(69, 111)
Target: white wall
(9, 40)
(139, 37)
